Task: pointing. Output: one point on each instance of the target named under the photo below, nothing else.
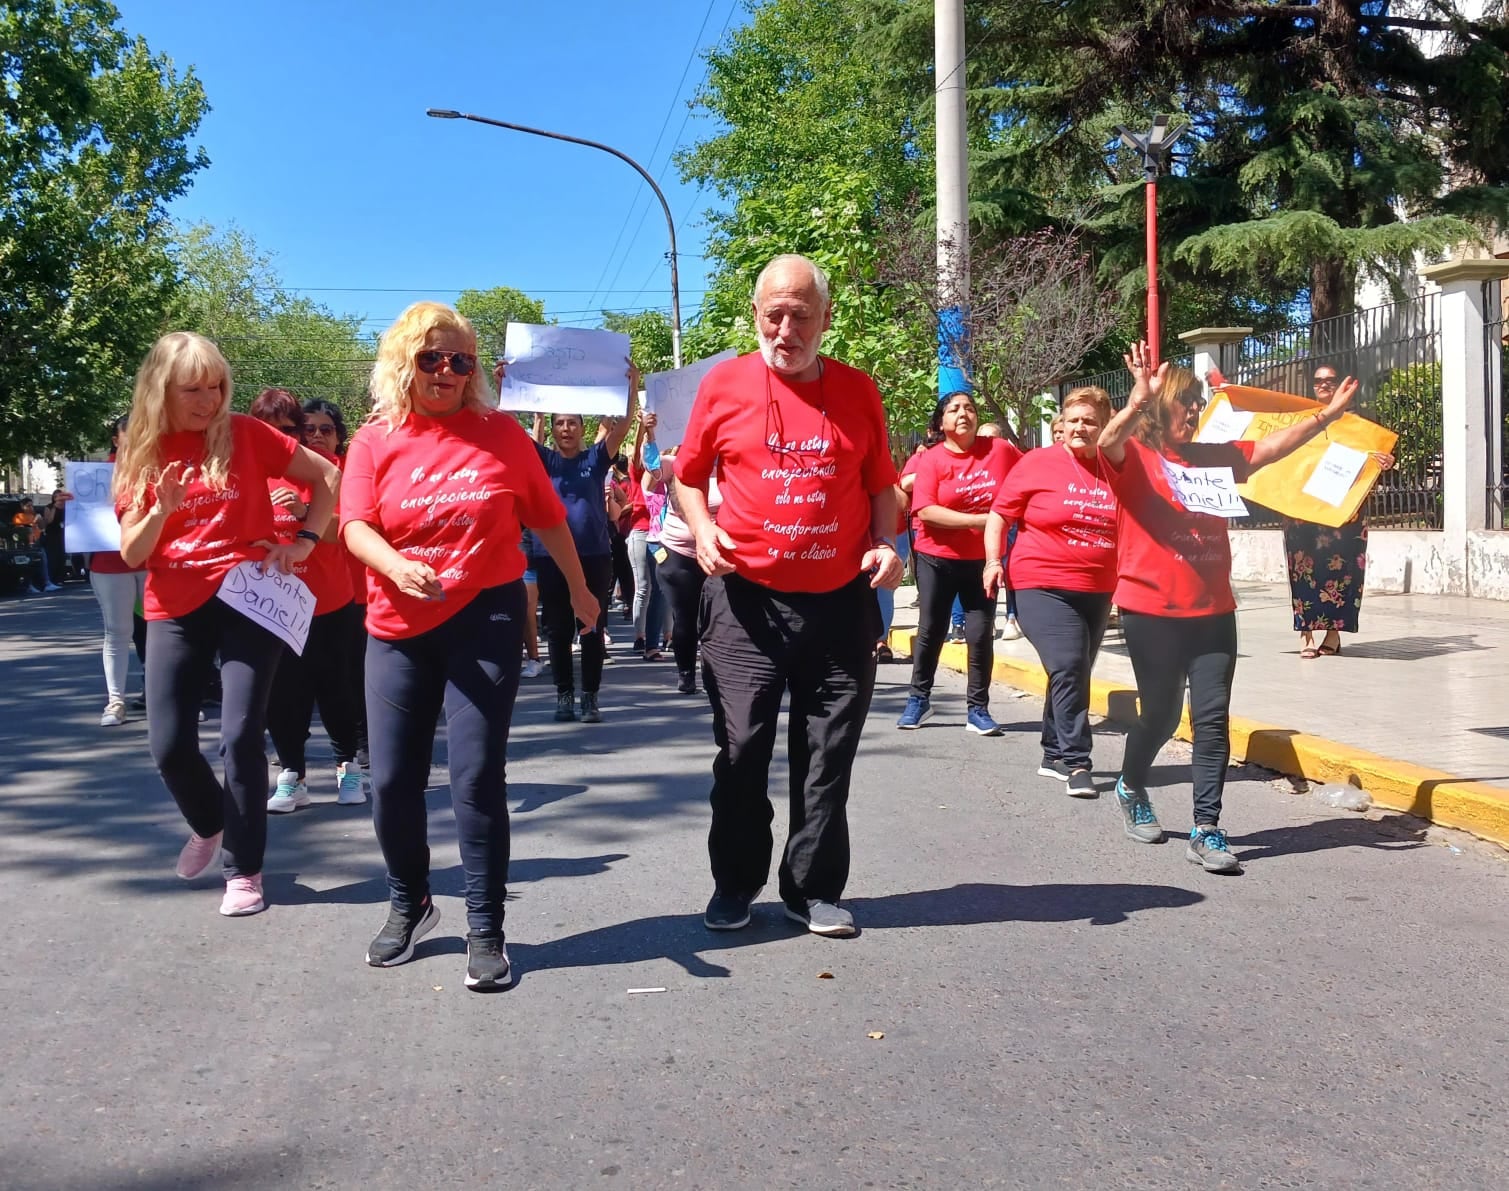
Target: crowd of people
(443, 540)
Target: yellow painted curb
(1429, 793)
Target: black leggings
(1166, 651)
(180, 661)
(939, 580)
(682, 580)
(468, 665)
(1065, 627)
(322, 674)
(560, 620)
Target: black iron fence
(1495, 373)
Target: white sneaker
(289, 795)
(531, 668)
(1012, 631)
(350, 784)
(115, 714)
(52, 587)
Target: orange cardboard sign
(1326, 480)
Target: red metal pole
(1154, 324)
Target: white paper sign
(281, 604)
(1210, 490)
(1225, 423)
(565, 370)
(89, 522)
(669, 396)
(1334, 475)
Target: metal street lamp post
(1156, 146)
(449, 114)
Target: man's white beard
(767, 353)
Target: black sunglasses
(462, 363)
(316, 428)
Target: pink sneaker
(243, 895)
(198, 856)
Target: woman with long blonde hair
(192, 497)
(438, 487)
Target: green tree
(96, 133)
(491, 310)
(1326, 139)
(231, 293)
(649, 333)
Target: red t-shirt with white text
(355, 568)
(1066, 516)
(965, 483)
(799, 464)
(324, 571)
(1170, 561)
(452, 492)
(210, 532)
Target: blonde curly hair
(393, 373)
(178, 358)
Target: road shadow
(1391, 833)
(682, 939)
(285, 888)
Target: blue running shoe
(1137, 814)
(980, 723)
(1207, 847)
(916, 710)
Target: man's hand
(415, 579)
(586, 607)
(715, 551)
(886, 563)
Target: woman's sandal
(1307, 647)
(1330, 651)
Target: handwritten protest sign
(565, 370)
(1333, 475)
(280, 603)
(1224, 424)
(1210, 490)
(669, 396)
(90, 523)
(1283, 485)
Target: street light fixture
(451, 114)
(1156, 147)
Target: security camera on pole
(1156, 146)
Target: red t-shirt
(453, 492)
(1067, 522)
(639, 508)
(324, 571)
(356, 569)
(965, 483)
(799, 464)
(904, 507)
(211, 532)
(1170, 561)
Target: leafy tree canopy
(490, 312)
(95, 138)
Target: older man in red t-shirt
(802, 541)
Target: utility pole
(1156, 146)
(952, 158)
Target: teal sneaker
(1208, 847)
(1137, 814)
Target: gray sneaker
(822, 918)
(1082, 784)
(1137, 814)
(1207, 847)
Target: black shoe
(487, 968)
(565, 707)
(686, 684)
(590, 713)
(395, 942)
(727, 911)
(822, 918)
(1054, 769)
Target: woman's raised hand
(170, 487)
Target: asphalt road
(1059, 1006)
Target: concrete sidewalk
(1413, 710)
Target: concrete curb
(1429, 793)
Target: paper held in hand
(89, 524)
(669, 396)
(280, 603)
(565, 370)
(1210, 490)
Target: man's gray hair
(819, 278)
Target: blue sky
(321, 150)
